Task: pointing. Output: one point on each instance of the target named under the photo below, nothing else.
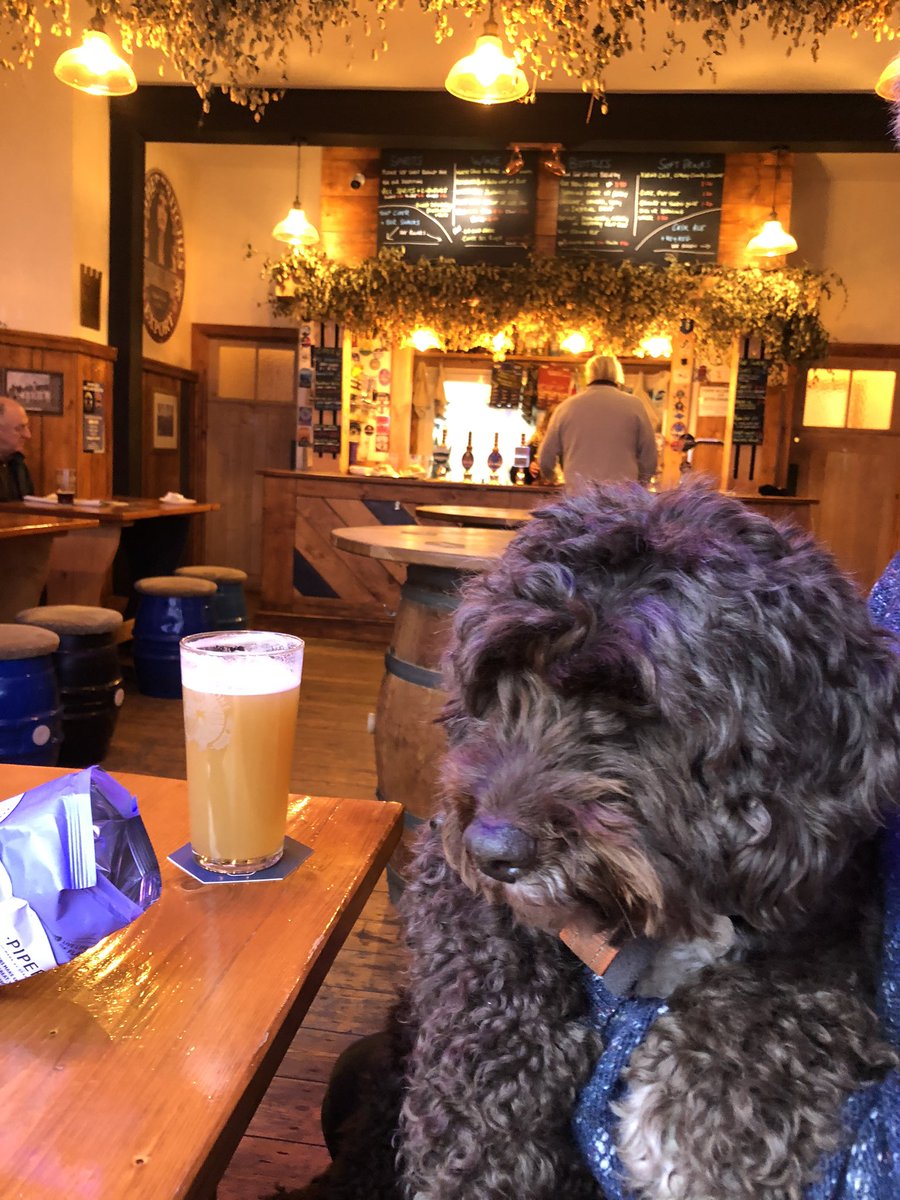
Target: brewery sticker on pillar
(163, 257)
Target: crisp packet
(75, 864)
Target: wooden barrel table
(474, 516)
(408, 741)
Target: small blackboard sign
(750, 401)
(641, 207)
(444, 204)
(326, 365)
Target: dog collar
(592, 948)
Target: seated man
(15, 481)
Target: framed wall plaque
(36, 391)
(165, 421)
(163, 257)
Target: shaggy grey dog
(671, 724)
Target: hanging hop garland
(245, 43)
(534, 303)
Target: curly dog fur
(668, 719)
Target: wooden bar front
(311, 588)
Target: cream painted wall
(846, 217)
(54, 216)
(230, 199)
(54, 207)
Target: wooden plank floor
(334, 756)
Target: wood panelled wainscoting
(57, 440)
(855, 473)
(163, 468)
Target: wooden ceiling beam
(712, 121)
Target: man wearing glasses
(15, 481)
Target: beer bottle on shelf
(468, 461)
(495, 460)
(440, 456)
(522, 460)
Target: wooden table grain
(25, 565)
(426, 546)
(19, 525)
(134, 1069)
(80, 565)
(476, 516)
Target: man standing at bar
(601, 434)
(15, 481)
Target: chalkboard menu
(641, 207)
(456, 205)
(327, 373)
(750, 401)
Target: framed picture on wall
(165, 421)
(36, 391)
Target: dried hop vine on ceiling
(530, 304)
(241, 46)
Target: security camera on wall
(358, 181)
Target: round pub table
(409, 741)
(473, 516)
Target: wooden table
(133, 1070)
(79, 566)
(409, 741)
(472, 515)
(452, 550)
(24, 568)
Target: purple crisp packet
(75, 864)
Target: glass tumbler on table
(65, 485)
(241, 690)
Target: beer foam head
(241, 663)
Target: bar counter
(310, 587)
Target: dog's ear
(795, 743)
(522, 617)
(611, 663)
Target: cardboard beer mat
(295, 853)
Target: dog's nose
(501, 850)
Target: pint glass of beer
(241, 689)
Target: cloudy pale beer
(241, 690)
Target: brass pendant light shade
(296, 229)
(488, 75)
(773, 240)
(94, 67)
(888, 85)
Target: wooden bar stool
(170, 607)
(30, 711)
(229, 602)
(88, 673)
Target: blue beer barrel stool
(30, 711)
(89, 676)
(229, 602)
(170, 607)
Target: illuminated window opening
(838, 398)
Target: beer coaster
(295, 853)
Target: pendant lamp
(773, 240)
(94, 67)
(296, 229)
(487, 75)
(888, 85)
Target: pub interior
(300, 414)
